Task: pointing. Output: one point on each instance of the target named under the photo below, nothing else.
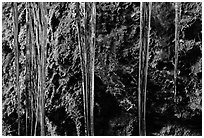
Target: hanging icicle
(82, 59)
(87, 50)
(32, 67)
(177, 16)
(145, 15)
(15, 26)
